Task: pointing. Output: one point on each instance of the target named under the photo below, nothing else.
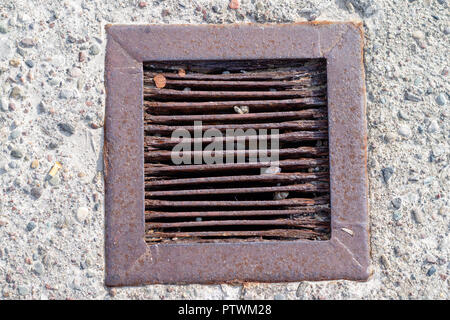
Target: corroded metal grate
(237, 200)
(169, 222)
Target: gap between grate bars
(242, 200)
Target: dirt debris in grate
(200, 201)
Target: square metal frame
(130, 261)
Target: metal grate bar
(157, 107)
(150, 203)
(289, 115)
(242, 213)
(266, 178)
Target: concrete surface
(51, 110)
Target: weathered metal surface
(168, 107)
(130, 261)
(151, 168)
(320, 112)
(297, 211)
(260, 203)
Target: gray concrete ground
(52, 106)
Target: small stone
(75, 72)
(384, 261)
(76, 284)
(444, 211)
(27, 43)
(3, 29)
(241, 109)
(418, 217)
(312, 15)
(82, 214)
(430, 259)
(396, 203)
(350, 7)
(387, 173)
(94, 50)
(66, 127)
(441, 99)
(36, 192)
(23, 290)
(9, 278)
(16, 153)
(71, 39)
(15, 93)
(404, 131)
(234, 4)
(142, 4)
(15, 134)
(431, 271)
(3, 105)
(95, 125)
(90, 274)
(21, 52)
(41, 108)
(412, 97)
(65, 94)
(38, 268)
(29, 63)
(418, 35)
(34, 164)
(54, 181)
(81, 56)
(181, 72)
(397, 215)
(112, 292)
(14, 62)
(53, 145)
(270, 170)
(403, 115)
(433, 127)
(165, 12)
(5, 50)
(53, 82)
(417, 81)
(428, 180)
(30, 226)
(280, 195)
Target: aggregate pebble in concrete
(56, 76)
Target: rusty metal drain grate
(300, 214)
(236, 197)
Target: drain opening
(241, 200)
